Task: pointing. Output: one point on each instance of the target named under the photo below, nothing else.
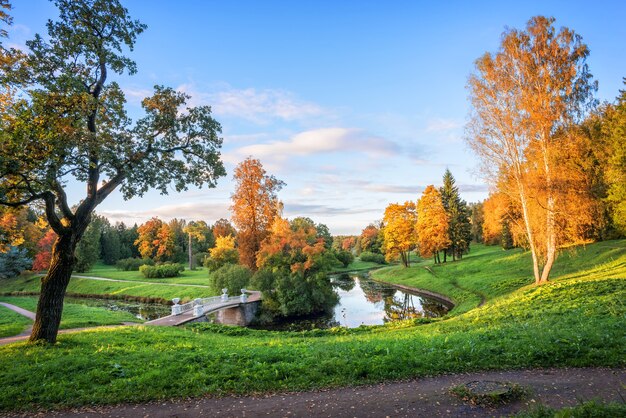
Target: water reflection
(363, 301)
(368, 302)
(145, 311)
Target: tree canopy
(69, 124)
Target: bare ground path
(425, 397)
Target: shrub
(162, 270)
(133, 264)
(373, 257)
(345, 257)
(233, 277)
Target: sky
(353, 104)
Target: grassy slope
(80, 286)
(75, 315)
(579, 320)
(489, 272)
(11, 323)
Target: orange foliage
(156, 240)
(255, 205)
(298, 247)
(399, 232)
(432, 223)
(223, 228)
(44, 254)
(348, 243)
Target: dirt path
(427, 397)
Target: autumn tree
(459, 226)
(293, 261)
(44, 251)
(71, 124)
(525, 97)
(432, 224)
(255, 204)
(399, 233)
(156, 240)
(222, 228)
(371, 239)
(223, 253)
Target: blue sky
(354, 104)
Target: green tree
(88, 248)
(614, 129)
(72, 124)
(110, 244)
(459, 225)
(477, 218)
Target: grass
(489, 272)
(11, 323)
(108, 289)
(200, 276)
(358, 265)
(584, 410)
(76, 315)
(577, 320)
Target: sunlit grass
(577, 320)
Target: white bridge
(198, 309)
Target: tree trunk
(190, 254)
(550, 222)
(53, 286)
(529, 231)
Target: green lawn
(358, 265)
(108, 289)
(11, 323)
(75, 315)
(577, 320)
(200, 276)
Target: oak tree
(70, 124)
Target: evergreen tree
(13, 262)
(110, 245)
(459, 225)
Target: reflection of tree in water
(375, 291)
(433, 308)
(343, 281)
(397, 309)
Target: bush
(373, 257)
(133, 264)
(233, 277)
(345, 257)
(162, 270)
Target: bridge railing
(198, 305)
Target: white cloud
(320, 141)
(256, 105)
(189, 211)
(442, 125)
